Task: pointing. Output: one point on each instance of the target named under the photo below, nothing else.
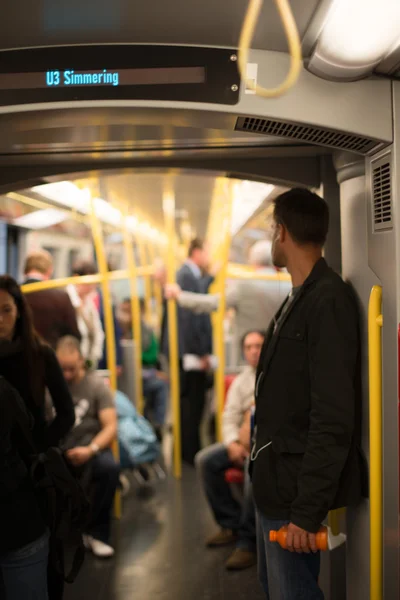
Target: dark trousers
(211, 463)
(100, 477)
(193, 393)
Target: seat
(233, 475)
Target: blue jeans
(156, 393)
(211, 463)
(285, 575)
(24, 571)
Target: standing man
(195, 347)
(308, 397)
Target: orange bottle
(281, 537)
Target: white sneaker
(99, 549)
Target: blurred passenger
(255, 302)
(155, 381)
(237, 522)
(195, 347)
(88, 444)
(98, 301)
(90, 327)
(24, 540)
(30, 366)
(52, 311)
(306, 454)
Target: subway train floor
(160, 551)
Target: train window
(73, 258)
(12, 252)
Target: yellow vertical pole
(147, 285)
(157, 290)
(375, 322)
(220, 286)
(169, 215)
(108, 322)
(136, 318)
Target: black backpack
(63, 503)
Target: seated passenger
(155, 382)
(52, 310)
(87, 446)
(237, 523)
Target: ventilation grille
(382, 195)
(312, 135)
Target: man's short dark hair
(196, 244)
(304, 214)
(84, 267)
(250, 332)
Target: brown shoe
(241, 559)
(223, 538)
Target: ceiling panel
(144, 192)
(26, 23)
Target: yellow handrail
(292, 34)
(147, 284)
(157, 290)
(135, 312)
(37, 286)
(236, 271)
(108, 323)
(375, 323)
(169, 215)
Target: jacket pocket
(289, 455)
(292, 346)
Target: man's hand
(172, 291)
(300, 541)
(205, 363)
(79, 456)
(237, 453)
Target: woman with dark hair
(31, 367)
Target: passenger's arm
(61, 398)
(333, 347)
(108, 433)
(232, 296)
(199, 303)
(233, 414)
(107, 415)
(245, 431)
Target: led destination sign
(120, 72)
(105, 77)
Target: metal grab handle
(375, 323)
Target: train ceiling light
(356, 37)
(69, 195)
(248, 196)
